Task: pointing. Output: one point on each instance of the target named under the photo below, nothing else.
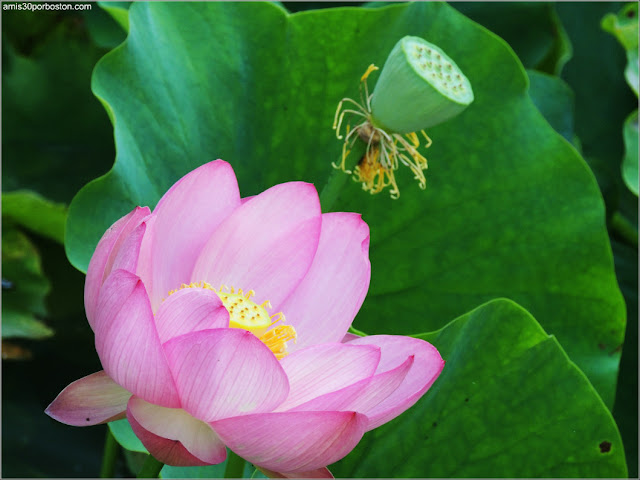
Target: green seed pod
(420, 86)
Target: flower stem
(337, 178)
(235, 466)
(110, 455)
(624, 229)
(151, 468)
(355, 331)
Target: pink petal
(266, 245)
(328, 298)
(127, 257)
(426, 367)
(90, 400)
(348, 337)
(186, 217)
(317, 473)
(225, 372)
(322, 369)
(169, 452)
(104, 255)
(168, 432)
(144, 268)
(190, 310)
(292, 441)
(127, 341)
(361, 396)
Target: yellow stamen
(413, 138)
(247, 315)
(276, 339)
(374, 175)
(365, 75)
(429, 141)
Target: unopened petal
(427, 365)
(324, 304)
(292, 441)
(266, 245)
(190, 310)
(104, 255)
(225, 372)
(168, 432)
(186, 217)
(322, 369)
(127, 342)
(90, 400)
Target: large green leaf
(510, 208)
(532, 29)
(55, 135)
(554, 99)
(30, 210)
(106, 29)
(509, 403)
(119, 11)
(123, 433)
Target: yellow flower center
(248, 315)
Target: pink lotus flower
(196, 366)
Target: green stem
(151, 468)
(355, 331)
(235, 466)
(337, 178)
(624, 229)
(110, 455)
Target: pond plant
(274, 283)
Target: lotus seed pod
(420, 86)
